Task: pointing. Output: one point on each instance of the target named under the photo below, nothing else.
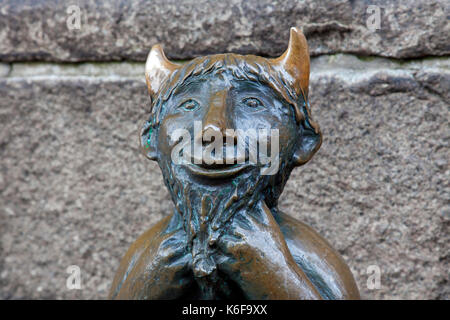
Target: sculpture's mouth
(216, 170)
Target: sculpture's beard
(207, 205)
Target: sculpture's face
(221, 107)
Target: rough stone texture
(74, 189)
(125, 30)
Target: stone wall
(74, 190)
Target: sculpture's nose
(215, 117)
(214, 120)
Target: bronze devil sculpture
(226, 238)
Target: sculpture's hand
(161, 271)
(254, 254)
(171, 266)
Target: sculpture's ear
(294, 66)
(157, 69)
(147, 141)
(311, 140)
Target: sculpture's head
(205, 112)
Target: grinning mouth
(216, 170)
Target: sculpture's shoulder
(323, 265)
(144, 245)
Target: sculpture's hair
(255, 69)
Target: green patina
(149, 137)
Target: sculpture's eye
(252, 102)
(189, 105)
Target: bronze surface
(226, 238)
